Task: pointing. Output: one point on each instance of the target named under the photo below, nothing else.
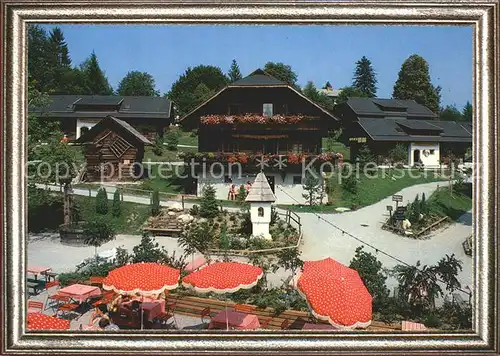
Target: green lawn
(187, 138)
(453, 205)
(130, 221)
(337, 147)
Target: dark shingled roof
(258, 78)
(66, 106)
(386, 107)
(383, 129)
(90, 134)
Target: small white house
(260, 197)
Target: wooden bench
(193, 306)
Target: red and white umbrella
(146, 279)
(335, 293)
(39, 321)
(224, 277)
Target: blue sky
(317, 53)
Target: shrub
(101, 202)
(116, 209)
(66, 278)
(209, 207)
(195, 210)
(172, 261)
(274, 216)
(398, 153)
(158, 146)
(147, 251)
(155, 203)
(432, 321)
(45, 210)
(122, 257)
(172, 139)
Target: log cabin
(113, 151)
(253, 119)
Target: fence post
(150, 198)
(182, 199)
(90, 193)
(121, 194)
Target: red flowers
(252, 119)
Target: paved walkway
(322, 240)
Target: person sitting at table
(106, 324)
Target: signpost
(389, 209)
(397, 199)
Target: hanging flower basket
(252, 119)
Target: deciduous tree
(349, 92)
(97, 232)
(183, 90)
(414, 82)
(137, 83)
(311, 92)
(282, 72)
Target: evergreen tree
(97, 232)
(37, 58)
(101, 202)
(137, 83)
(467, 112)
(234, 73)
(209, 207)
(116, 209)
(155, 203)
(172, 139)
(59, 49)
(364, 78)
(96, 81)
(423, 205)
(312, 189)
(242, 194)
(414, 82)
(450, 113)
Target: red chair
(265, 323)
(35, 306)
(285, 324)
(66, 307)
(53, 299)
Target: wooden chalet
(254, 116)
(111, 148)
(260, 114)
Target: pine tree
(96, 81)
(364, 78)
(116, 209)
(101, 202)
(155, 203)
(234, 73)
(423, 205)
(59, 48)
(209, 207)
(312, 189)
(467, 112)
(414, 82)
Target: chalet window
(297, 179)
(297, 148)
(267, 110)
(432, 152)
(233, 109)
(260, 212)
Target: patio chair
(264, 324)
(53, 298)
(205, 313)
(96, 281)
(50, 276)
(285, 324)
(66, 307)
(35, 306)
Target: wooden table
(236, 320)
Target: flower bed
(253, 119)
(254, 158)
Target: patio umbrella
(144, 279)
(39, 321)
(335, 293)
(223, 277)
